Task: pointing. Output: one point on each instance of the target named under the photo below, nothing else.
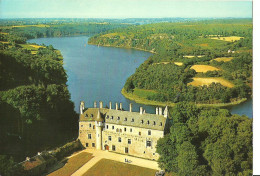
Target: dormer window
(132, 120)
(148, 122)
(154, 123)
(142, 121)
(91, 115)
(86, 115)
(160, 123)
(107, 116)
(118, 118)
(149, 132)
(125, 119)
(112, 117)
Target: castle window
(117, 130)
(90, 125)
(121, 130)
(149, 132)
(132, 120)
(81, 125)
(86, 115)
(93, 144)
(107, 126)
(107, 116)
(142, 121)
(112, 117)
(125, 119)
(118, 118)
(91, 115)
(131, 130)
(113, 127)
(113, 147)
(160, 123)
(148, 143)
(119, 139)
(126, 150)
(109, 138)
(125, 129)
(139, 133)
(129, 141)
(148, 122)
(89, 136)
(154, 123)
(86, 144)
(94, 126)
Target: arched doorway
(106, 147)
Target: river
(99, 73)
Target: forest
(36, 111)
(189, 43)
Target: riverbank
(145, 101)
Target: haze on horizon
(125, 8)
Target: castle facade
(126, 132)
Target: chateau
(126, 132)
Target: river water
(99, 73)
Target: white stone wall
(138, 137)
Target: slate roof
(126, 118)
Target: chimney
(100, 104)
(156, 111)
(166, 113)
(130, 107)
(81, 107)
(116, 106)
(144, 111)
(121, 106)
(141, 110)
(95, 104)
(110, 105)
(160, 110)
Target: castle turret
(81, 107)
(99, 125)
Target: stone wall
(135, 140)
(86, 128)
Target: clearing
(224, 59)
(228, 39)
(208, 81)
(204, 68)
(106, 167)
(191, 56)
(73, 164)
(178, 63)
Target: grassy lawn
(107, 167)
(144, 93)
(73, 164)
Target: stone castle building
(126, 132)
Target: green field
(106, 167)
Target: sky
(124, 8)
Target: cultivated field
(106, 167)
(73, 164)
(178, 63)
(228, 39)
(208, 81)
(191, 56)
(37, 25)
(224, 59)
(204, 68)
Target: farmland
(228, 39)
(224, 59)
(208, 81)
(204, 68)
